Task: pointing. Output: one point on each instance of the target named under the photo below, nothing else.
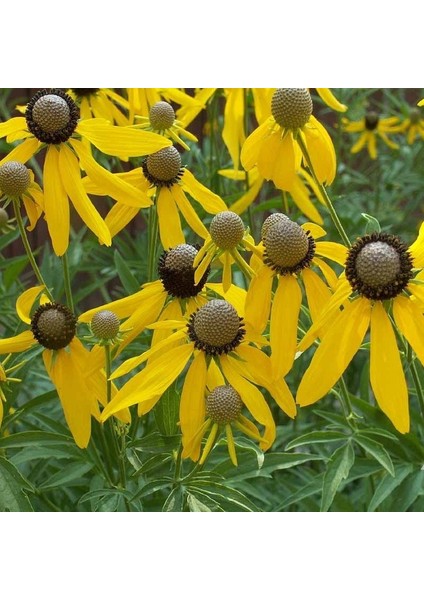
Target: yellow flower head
(17, 183)
(162, 120)
(371, 128)
(379, 271)
(52, 120)
(413, 125)
(103, 103)
(277, 145)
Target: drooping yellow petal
(283, 331)
(111, 185)
(300, 194)
(33, 211)
(253, 399)
(210, 201)
(231, 445)
(410, 320)
(253, 144)
(13, 125)
(170, 230)
(23, 152)
(188, 212)
(214, 376)
(316, 231)
(25, 302)
(328, 97)
(386, 372)
(119, 216)
(233, 130)
(321, 151)
(329, 275)
(317, 293)
(56, 205)
(71, 178)
(258, 300)
(17, 343)
(234, 295)
(193, 406)
(338, 347)
(416, 249)
(333, 251)
(120, 141)
(240, 205)
(152, 381)
(418, 291)
(73, 393)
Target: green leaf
(66, 475)
(274, 461)
(12, 486)
(317, 437)
(388, 484)
(195, 505)
(175, 501)
(228, 498)
(153, 463)
(128, 280)
(376, 450)
(338, 468)
(408, 492)
(30, 438)
(155, 442)
(167, 412)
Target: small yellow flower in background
(52, 120)
(413, 125)
(212, 335)
(274, 146)
(17, 183)
(101, 102)
(227, 235)
(379, 268)
(67, 361)
(163, 175)
(288, 251)
(371, 127)
(162, 120)
(5, 380)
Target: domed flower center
(274, 218)
(177, 273)
(288, 248)
(223, 404)
(52, 116)
(163, 167)
(216, 327)
(14, 178)
(161, 116)
(379, 266)
(53, 325)
(291, 107)
(227, 230)
(371, 120)
(105, 325)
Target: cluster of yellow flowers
(229, 343)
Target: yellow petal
(18, 343)
(170, 230)
(253, 144)
(119, 216)
(25, 302)
(13, 125)
(417, 249)
(321, 151)
(152, 381)
(317, 293)
(386, 372)
(233, 130)
(23, 152)
(188, 212)
(410, 320)
(333, 251)
(210, 201)
(193, 406)
(328, 97)
(283, 330)
(74, 396)
(258, 300)
(121, 141)
(339, 345)
(214, 376)
(111, 185)
(71, 177)
(300, 194)
(56, 203)
(234, 295)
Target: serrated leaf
(388, 484)
(317, 437)
(195, 505)
(12, 486)
(128, 280)
(376, 450)
(338, 468)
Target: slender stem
(177, 473)
(248, 272)
(326, 197)
(67, 282)
(27, 247)
(346, 404)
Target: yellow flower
(276, 146)
(162, 173)
(17, 183)
(141, 100)
(212, 335)
(379, 268)
(288, 251)
(162, 120)
(101, 102)
(371, 127)
(52, 120)
(69, 364)
(413, 126)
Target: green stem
(346, 404)
(242, 264)
(67, 282)
(27, 247)
(326, 197)
(416, 378)
(178, 462)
